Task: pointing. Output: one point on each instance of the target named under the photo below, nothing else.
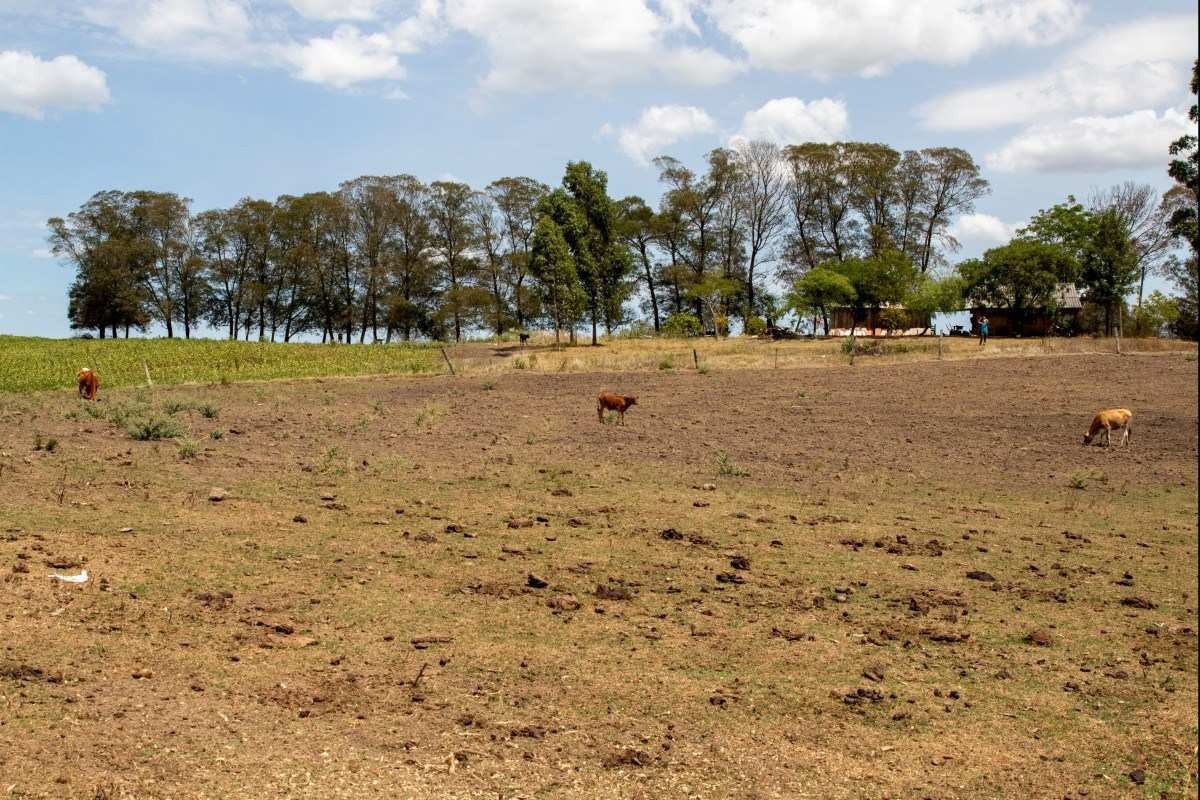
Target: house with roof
(1003, 320)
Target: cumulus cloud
(658, 127)
(211, 29)
(825, 37)
(984, 229)
(1092, 144)
(789, 120)
(590, 44)
(345, 58)
(1135, 65)
(30, 86)
(336, 9)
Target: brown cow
(89, 383)
(1112, 419)
(614, 402)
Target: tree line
(386, 257)
(836, 225)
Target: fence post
(695, 358)
(939, 338)
(1118, 339)
(853, 347)
(448, 364)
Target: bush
(153, 429)
(755, 326)
(682, 324)
(637, 329)
(188, 448)
(209, 411)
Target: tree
(1142, 214)
(1183, 220)
(110, 258)
(764, 207)
(936, 295)
(409, 267)
(952, 185)
(878, 281)
(640, 233)
(820, 291)
(1110, 267)
(490, 232)
(1021, 276)
(517, 200)
(161, 219)
(453, 237)
(1068, 225)
(554, 268)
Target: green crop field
(31, 364)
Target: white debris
(80, 578)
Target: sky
(221, 99)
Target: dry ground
(357, 616)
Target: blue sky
(220, 99)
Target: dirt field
(904, 581)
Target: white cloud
(1136, 65)
(983, 229)
(658, 127)
(219, 30)
(42, 252)
(336, 9)
(585, 44)
(824, 37)
(1091, 144)
(29, 86)
(4, 298)
(345, 58)
(789, 120)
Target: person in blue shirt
(983, 331)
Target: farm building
(1034, 321)
(894, 320)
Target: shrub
(682, 324)
(727, 468)
(755, 326)
(209, 411)
(637, 329)
(153, 429)
(667, 362)
(188, 448)
(173, 407)
(488, 385)
(216, 435)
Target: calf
(614, 402)
(89, 383)
(1107, 421)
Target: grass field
(900, 579)
(30, 364)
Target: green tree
(640, 233)
(1022, 276)
(1070, 226)
(554, 269)
(1110, 268)
(517, 200)
(936, 295)
(820, 291)
(454, 236)
(883, 280)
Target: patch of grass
(430, 413)
(209, 411)
(520, 363)
(727, 468)
(667, 362)
(188, 448)
(216, 435)
(1081, 477)
(488, 385)
(704, 368)
(153, 429)
(173, 407)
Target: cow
(614, 402)
(1107, 421)
(89, 383)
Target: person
(983, 331)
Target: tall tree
(1183, 220)
(764, 202)
(638, 229)
(453, 237)
(489, 230)
(371, 203)
(162, 218)
(517, 200)
(409, 264)
(552, 265)
(1145, 217)
(1110, 267)
(952, 185)
(820, 291)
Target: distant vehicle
(960, 330)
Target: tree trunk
(101, 331)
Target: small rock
(217, 494)
(838, 597)
(740, 562)
(519, 522)
(605, 592)
(671, 535)
(700, 504)
(300, 518)
(1137, 602)
(454, 527)
(534, 582)
(560, 492)
(730, 577)
(980, 575)
(141, 674)
(564, 602)
(1138, 776)
(874, 673)
(708, 487)
(1041, 637)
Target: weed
(38, 444)
(429, 413)
(727, 468)
(1080, 477)
(188, 448)
(520, 363)
(93, 410)
(216, 435)
(51, 444)
(173, 407)
(153, 429)
(488, 385)
(667, 362)
(209, 411)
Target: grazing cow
(1107, 421)
(89, 383)
(619, 403)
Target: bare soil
(905, 580)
